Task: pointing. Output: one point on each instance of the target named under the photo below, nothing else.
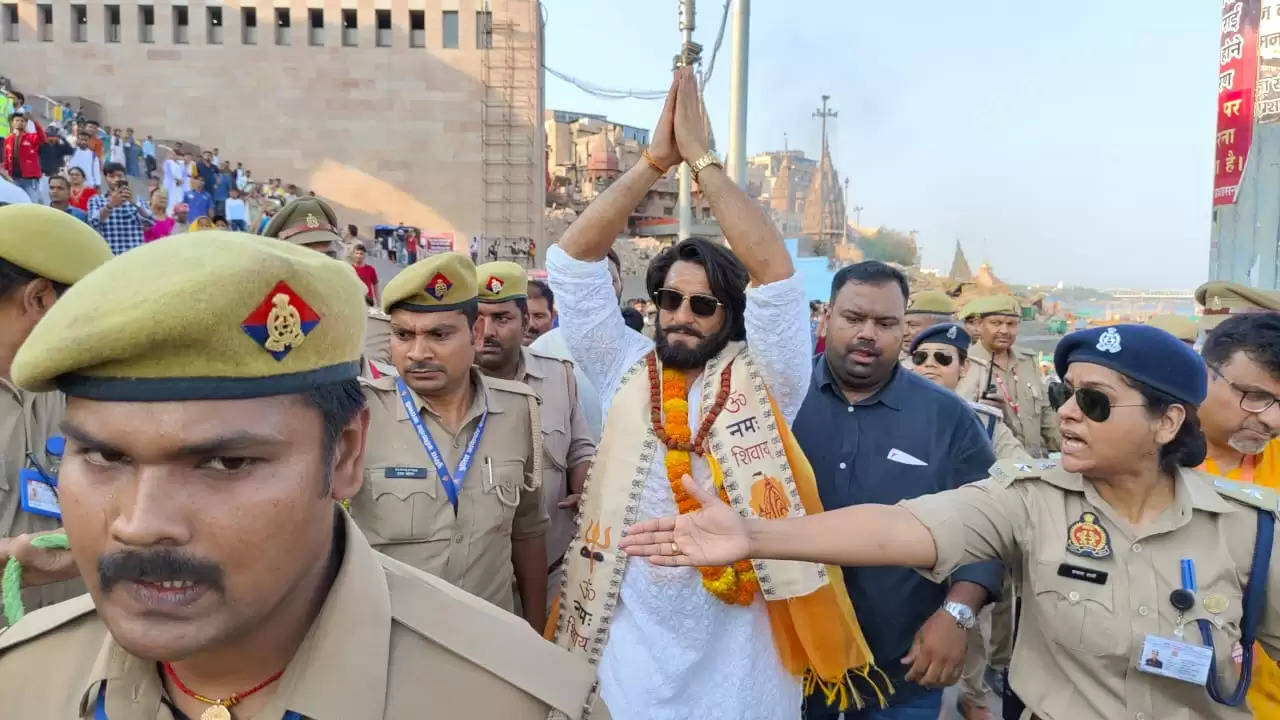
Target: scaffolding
(512, 152)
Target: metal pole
(737, 159)
(685, 198)
(822, 176)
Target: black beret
(1140, 352)
(946, 333)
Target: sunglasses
(921, 357)
(1094, 404)
(671, 300)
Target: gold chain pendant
(216, 712)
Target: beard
(683, 357)
(1252, 442)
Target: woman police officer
(1123, 552)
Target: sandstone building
(426, 112)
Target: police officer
(1007, 377)
(1122, 548)
(1179, 326)
(924, 309)
(940, 353)
(1220, 299)
(312, 223)
(453, 477)
(210, 433)
(566, 438)
(42, 251)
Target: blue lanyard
(100, 707)
(452, 482)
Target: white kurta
(675, 651)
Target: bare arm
(750, 233)
(592, 234)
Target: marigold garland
(733, 584)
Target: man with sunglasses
(709, 400)
(1007, 377)
(1240, 417)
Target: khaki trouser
(990, 643)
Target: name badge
(1175, 659)
(37, 495)
(419, 473)
(1075, 572)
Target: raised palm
(714, 535)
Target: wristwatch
(708, 158)
(962, 613)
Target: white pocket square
(898, 456)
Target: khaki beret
(231, 316)
(50, 243)
(441, 282)
(305, 221)
(501, 281)
(1179, 326)
(992, 305)
(934, 302)
(1221, 299)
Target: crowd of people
(290, 490)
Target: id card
(1175, 659)
(38, 496)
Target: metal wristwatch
(707, 159)
(962, 613)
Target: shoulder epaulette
(1006, 472)
(509, 649)
(377, 314)
(1248, 493)
(384, 383)
(38, 622)
(985, 409)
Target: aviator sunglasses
(671, 300)
(1094, 404)
(921, 357)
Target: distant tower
(960, 271)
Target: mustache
(686, 329)
(157, 566)
(423, 367)
(864, 346)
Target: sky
(1060, 142)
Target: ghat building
(426, 112)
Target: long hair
(726, 276)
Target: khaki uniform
(377, 337)
(27, 421)
(1035, 424)
(1079, 641)
(389, 642)
(566, 442)
(405, 512)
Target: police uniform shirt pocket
(555, 445)
(1077, 614)
(496, 495)
(402, 503)
(1220, 606)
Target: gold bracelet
(654, 163)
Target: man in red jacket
(22, 154)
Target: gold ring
(675, 549)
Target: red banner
(1237, 73)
